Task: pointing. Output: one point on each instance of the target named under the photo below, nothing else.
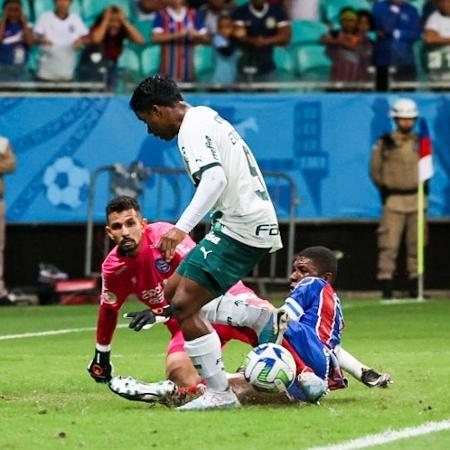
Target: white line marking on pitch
(373, 440)
(50, 332)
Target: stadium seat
(284, 63)
(92, 8)
(418, 4)
(307, 31)
(150, 60)
(41, 6)
(129, 65)
(28, 11)
(145, 28)
(312, 64)
(331, 8)
(203, 62)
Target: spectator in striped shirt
(178, 29)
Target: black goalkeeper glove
(100, 368)
(143, 320)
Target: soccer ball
(66, 183)
(269, 368)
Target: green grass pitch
(48, 400)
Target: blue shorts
(309, 348)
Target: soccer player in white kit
(244, 224)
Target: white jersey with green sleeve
(244, 210)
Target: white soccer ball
(66, 183)
(269, 368)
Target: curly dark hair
(156, 90)
(122, 203)
(323, 258)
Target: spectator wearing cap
(349, 49)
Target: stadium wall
(322, 141)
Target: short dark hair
(156, 90)
(122, 203)
(324, 259)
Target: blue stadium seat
(92, 8)
(312, 64)
(150, 60)
(331, 8)
(203, 62)
(307, 31)
(284, 64)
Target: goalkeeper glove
(100, 368)
(144, 320)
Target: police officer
(394, 170)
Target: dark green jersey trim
(197, 175)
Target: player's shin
(349, 363)
(206, 355)
(228, 310)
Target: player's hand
(140, 318)
(100, 368)
(169, 241)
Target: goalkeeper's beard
(127, 246)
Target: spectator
(259, 27)
(398, 26)
(7, 165)
(394, 170)
(226, 52)
(304, 9)
(178, 28)
(99, 59)
(145, 10)
(211, 12)
(365, 23)
(437, 39)
(349, 49)
(16, 38)
(60, 33)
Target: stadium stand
(312, 64)
(203, 62)
(150, 59)
(307, 31)
(284, 63)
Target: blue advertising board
(322, 141)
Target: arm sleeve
(212, 184)
(114, 294)
(375, 165)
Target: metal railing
(282, 189)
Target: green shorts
(218, 261)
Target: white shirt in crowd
(439, 23)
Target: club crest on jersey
(162, 266)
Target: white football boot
(132, 389)
(313, 386)
(273, 327)
(212, 400)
